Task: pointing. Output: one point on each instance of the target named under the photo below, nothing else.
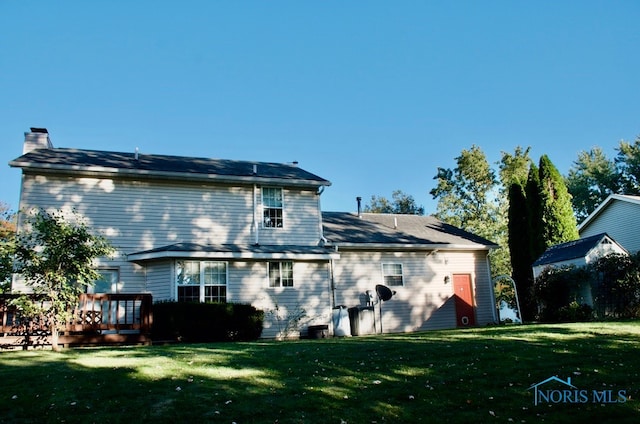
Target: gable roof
(164, 166)
(612, 197)
(373, 230)
(571, 249)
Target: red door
(465, 312)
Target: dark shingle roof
(64, 159)
(348, 228)
(570, 250)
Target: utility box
(341, 326)
(362, 320)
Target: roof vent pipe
(359, 200)
(255, 169)
(137, 153)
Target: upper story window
(201, 281)
(392, 274)
(271, 207)
(281, 274)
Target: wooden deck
(99, 319)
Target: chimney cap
(39, 130)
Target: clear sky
(371, 95)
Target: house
(440, 274)
(201, 229)
(578, 253)
(617, 216)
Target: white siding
(424, 301)
(248, 283)
(160, 280)
(620, 221)
(142, 215)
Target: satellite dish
(384, 292)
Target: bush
(559, 293)
(575, 312)
(206, 322)
(617, 288)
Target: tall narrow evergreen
(519, 250)
(534, 214)
(557, 212)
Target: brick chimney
(38, 138)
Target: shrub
(559, 293)
(206, 322)
(617, 286)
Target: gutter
(100, 171)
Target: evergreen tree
(557, 213)
(519, 249)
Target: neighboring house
(199, 229)
(578, 253)
(617, 216)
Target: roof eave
(187, 176)
(419, 247)
(150, 256)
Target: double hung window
(272, 207)
(392, 274)
(201, 281)
(281, 274)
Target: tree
(402, 204)
(557, 212)
(56, 259)
(591, 179)
(520, 251)
(7, 239)
(628, 162)
(468, 198)
(466, 194)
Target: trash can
(362, 320)
(341, 326)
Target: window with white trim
(392, 274)
(281, 274)
(107, 283)
(201, 281)
(272, 207)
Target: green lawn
(475, 375)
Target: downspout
(255, 225)
(492, 295)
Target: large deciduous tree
(402, 204)
(56, 258)
(468, 197)
(467, 194)
(7, 243)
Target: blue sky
(371, 95)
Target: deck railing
(97, 319)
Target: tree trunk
(54, 338)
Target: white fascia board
(100, 171)
(399, 246)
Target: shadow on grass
(449, 376)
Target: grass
(473, 375)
